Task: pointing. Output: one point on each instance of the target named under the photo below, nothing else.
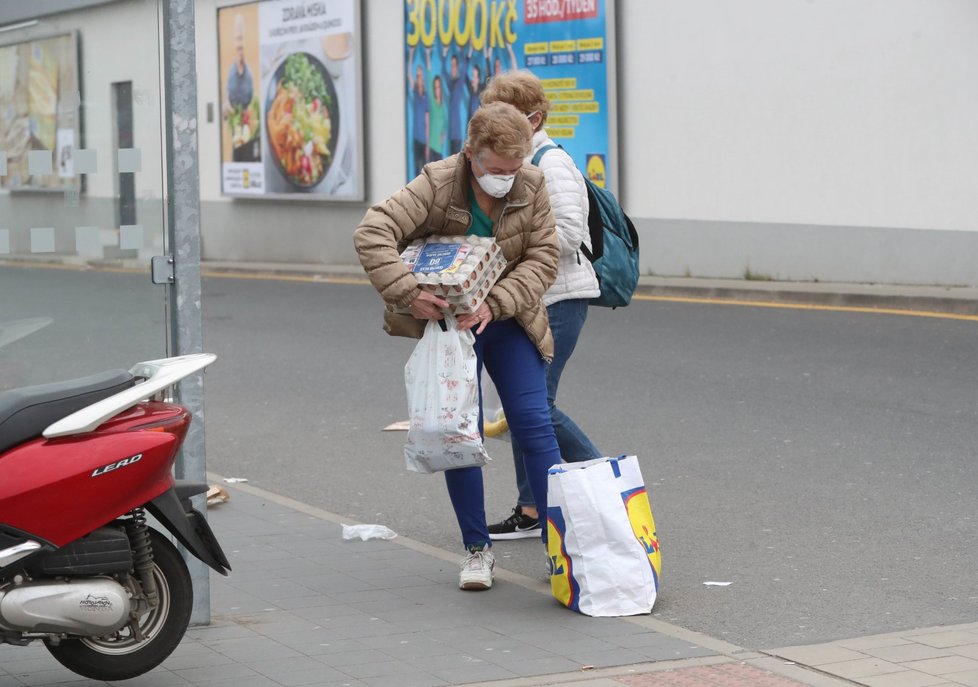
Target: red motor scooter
(81, 462)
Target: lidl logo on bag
(643, 526)
(562, 583)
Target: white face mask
(496, 185)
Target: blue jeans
(518, 371)
(566, 321)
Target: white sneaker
(476, 571)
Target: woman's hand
(428, 306)
(482, 316)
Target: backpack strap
(539, 154)
(595, 226)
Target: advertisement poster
(291, 99)
(452, 47)
(39, 102)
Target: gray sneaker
(476, 573)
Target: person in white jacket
(567, 299)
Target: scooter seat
(26, 412)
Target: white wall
(384, 88)
(118, 42)
(817, 112)
(794, 139)
(293, 230)
(383, 92)
(799, 139)
(110, 55)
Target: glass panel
(81, 190)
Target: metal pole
(183, 232)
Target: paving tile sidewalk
(929, 657)
(305, 607)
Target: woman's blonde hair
(501, 128)
(521, 89)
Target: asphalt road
(823, 463)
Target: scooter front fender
(173, 510)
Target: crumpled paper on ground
(217, 495)
(365, 532)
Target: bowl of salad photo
(301, 119)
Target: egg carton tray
(460, 269)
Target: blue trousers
(566, 321)
(518, 371)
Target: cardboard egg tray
(460, 269)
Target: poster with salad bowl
(300, 134)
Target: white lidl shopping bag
(443, 401)
(604, 550)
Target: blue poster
(452, 47)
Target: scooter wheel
(120, 656)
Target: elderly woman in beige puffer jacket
(487, 191)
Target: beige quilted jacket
(437, 202)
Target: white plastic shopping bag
(604, 550)
(443, 401)
(494, 424)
